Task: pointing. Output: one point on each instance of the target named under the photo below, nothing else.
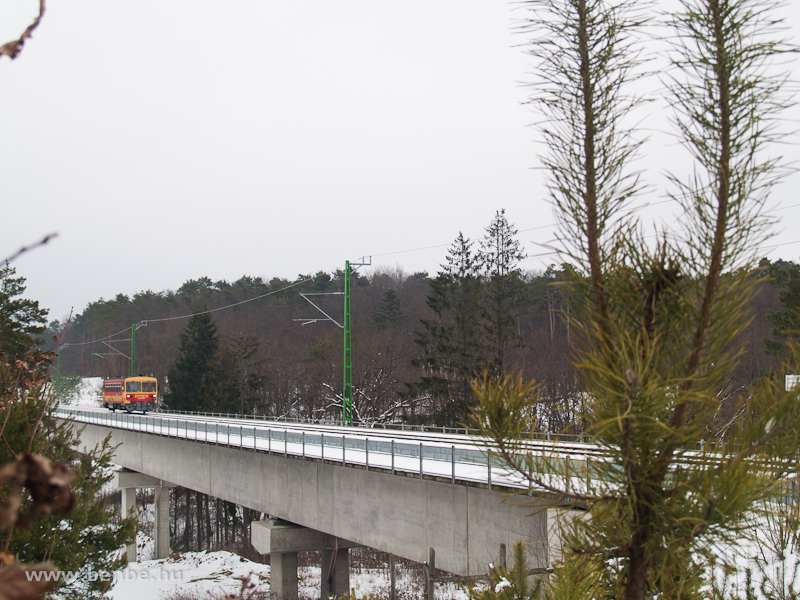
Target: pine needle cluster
(655, 323)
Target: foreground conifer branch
(655, 322)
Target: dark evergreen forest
(417, 340)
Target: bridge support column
(283, 540)
(283, 575)
(128, 481)
(128, 505)
(161, 525)
(335, 584)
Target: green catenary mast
(133, 350)
(347, 394)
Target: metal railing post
(322, 447)
(366, 455)
(421, 452)
(453, 464)
(392, 457)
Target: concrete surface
(401, 515)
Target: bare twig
(41, 242)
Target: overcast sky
(174, 139)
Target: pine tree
(503, 290)
(452, 353)
(655, 323)
(86, 539)
(390, 312)
(191, 377)
(21, 320)
(207, 372)
(513, 584)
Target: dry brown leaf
(14, 47)
(19, 582)
(48, 484)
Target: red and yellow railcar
(132, 393)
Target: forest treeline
(417, 338)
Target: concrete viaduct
(331, 496)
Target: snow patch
(197, 573)
(87, 392)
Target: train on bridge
(132, 394)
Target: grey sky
(171, 140)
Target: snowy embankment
(204, 575)
(86, 392)
(196, 574)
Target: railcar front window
(149, 386)
(133, 386)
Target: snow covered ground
(194, 573)
(88, 391)
(213, 574)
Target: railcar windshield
(149, 386)
(133, 386)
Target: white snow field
(197, 573)
(213, 574)
(88, 392)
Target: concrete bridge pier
(129, 481)
(282, 540)
(335, 577)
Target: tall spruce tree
(390, 312)
(193, 376)
(21, 320)
(655, 323)
(452, 353)
(206, 375)
(503, 290)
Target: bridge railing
(461, 463)
(387, 426)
